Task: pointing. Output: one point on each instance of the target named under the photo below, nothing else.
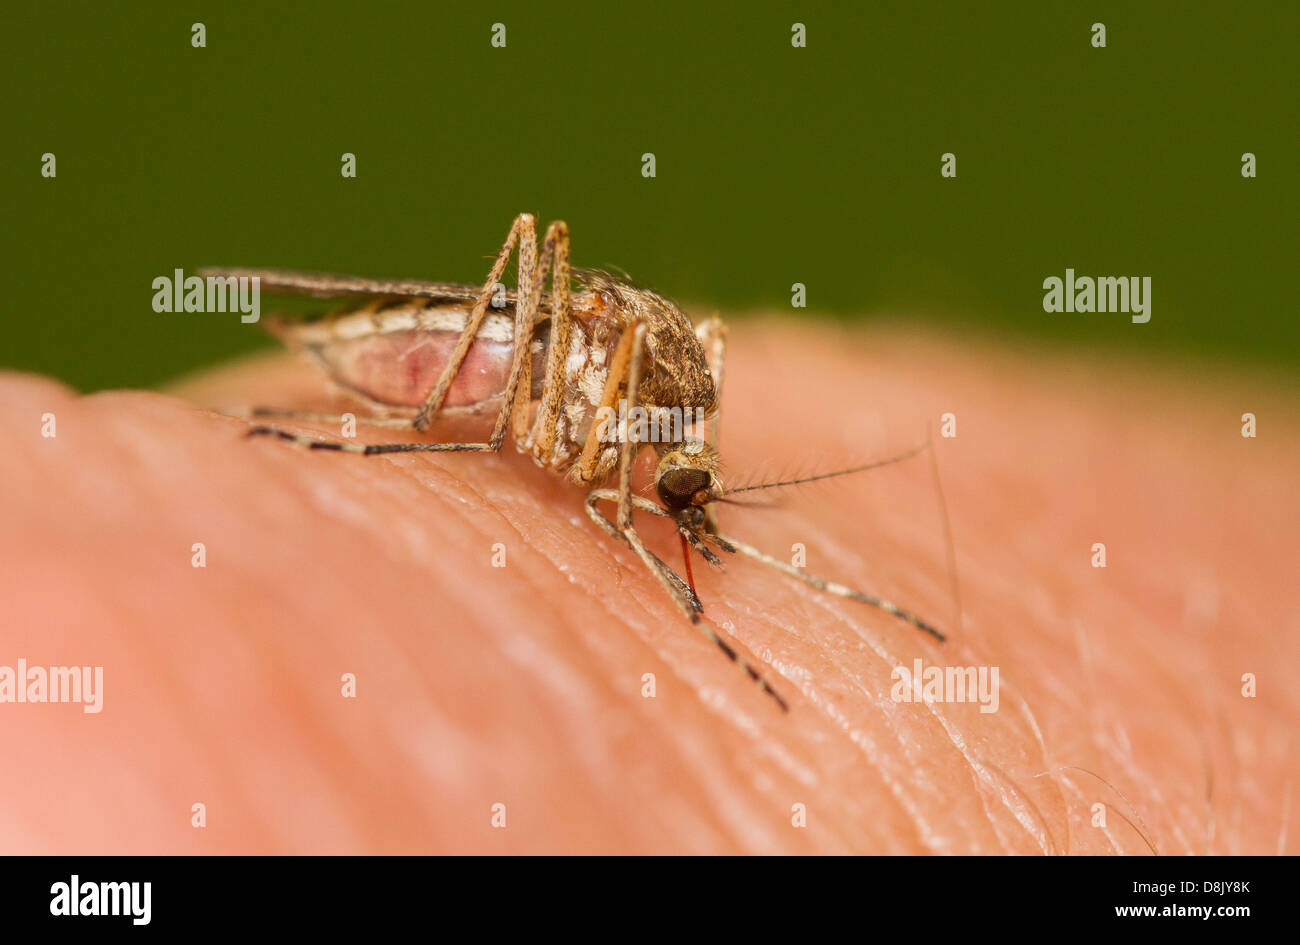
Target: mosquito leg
(524, 232)
(830, 587)
(707, 629)
(719, 541)
(373, 448)
(585, 469)
(332, 419)
(712, 335)
(555, 246)
(627, 448)
(302, 439)
(306, 416)
(695, 542)
(676, 587)
(492, 446)
(645, 505)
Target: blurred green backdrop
(775, 164)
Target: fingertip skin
(370, 654)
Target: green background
(775, 165)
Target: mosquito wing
(326, 285)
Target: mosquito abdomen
(396, 356)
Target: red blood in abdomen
(400, 368)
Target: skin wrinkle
(1046, 842)
(1010, 689)
(874, 756)
(982, 792)
(981, 772)
(900, 784)
(743, 819)
(828, 709)
(926, 834)
(878, 760)
(842, 722)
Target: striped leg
(712, 334)
(830, 587)
(555, 256)
(524, 232)
(694, 539)
(620, 368)
(676, 587)
(332, 419)
(372, 448)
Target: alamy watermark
(1128, 294)
(76, 684)
(78, 897)
(928, 684)
(642, 424)
(181, 293)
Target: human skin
(1121, 688)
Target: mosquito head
(687, 478)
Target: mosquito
(417, 351)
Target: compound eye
(678, 486)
